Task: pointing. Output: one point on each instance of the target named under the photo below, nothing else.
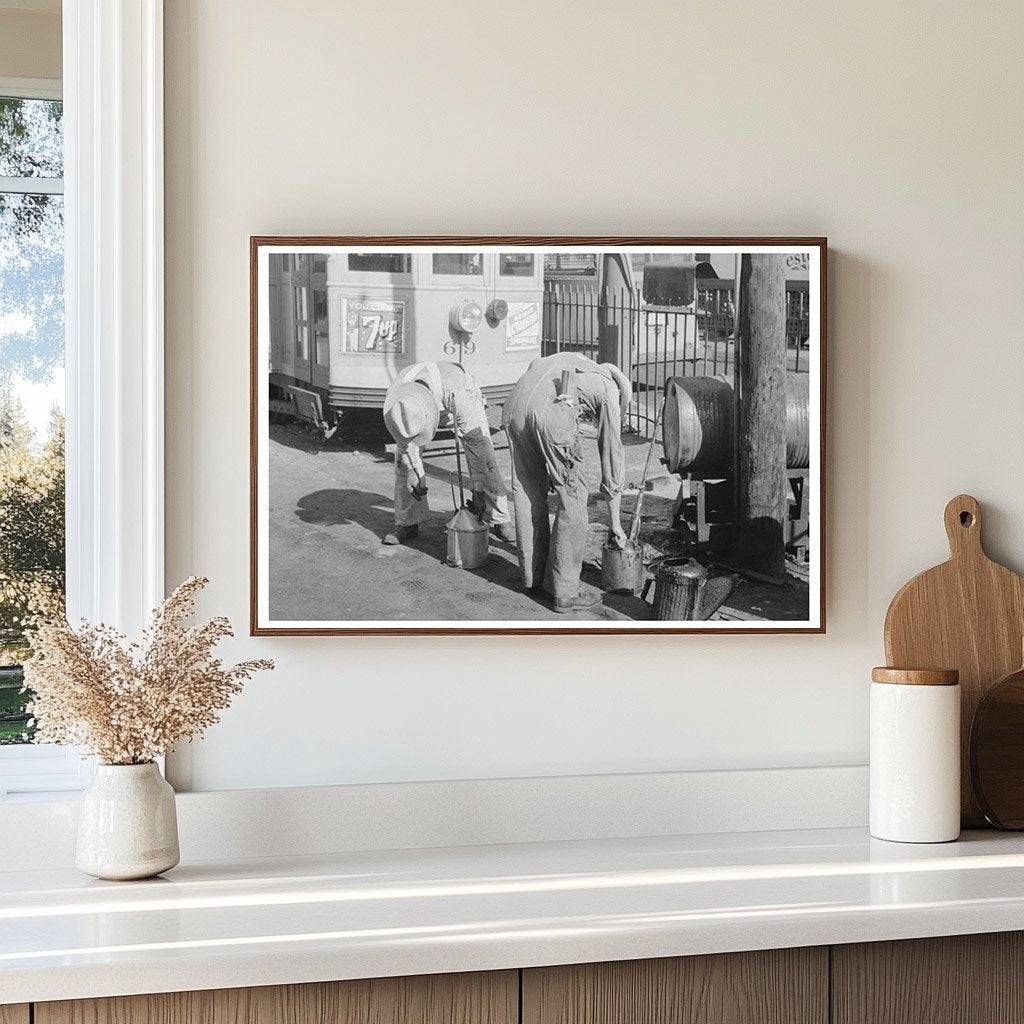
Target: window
(32, 542)
(515, 264)
(380, 262)
(300, 296)
(563, 265)
(320, 327)
(113, 315)
(464, 264)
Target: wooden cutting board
(967, 614)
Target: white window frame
(32, 88)
(114, 326)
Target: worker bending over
(543, 425)
(422, 397)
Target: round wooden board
(997, 752)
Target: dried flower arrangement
(129, 703)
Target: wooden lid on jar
(916, 676)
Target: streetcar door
(304, 288)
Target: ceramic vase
(127, 825)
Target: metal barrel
(798, 421)
(678, 584)
(698, 418)
(697, 423)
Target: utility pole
(761, 444)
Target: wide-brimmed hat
(622, 383)
(411, 413)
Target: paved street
(331, 505)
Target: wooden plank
(479, 998)
(14, 1013)
(963, 979)
(779, 986)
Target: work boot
(585, 599)
(505, 532)
(402, 534)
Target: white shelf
(351, 915)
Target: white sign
(374, 326)
(522, 328)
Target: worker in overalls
(543, 425)
(423, 397)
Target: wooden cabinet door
(779, 986)
(482, 998)
(14, 1013)
(961, 979)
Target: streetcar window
(319, 264)
(320, 332)
(380, 262)
(515, 264)
(465, 264)
(301, 308)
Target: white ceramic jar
(915, 755)
(127, 824)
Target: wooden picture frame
(360, 309)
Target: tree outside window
(31, 386)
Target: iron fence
(656, 343)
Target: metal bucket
(467, 540)
(678, 585)
(623, 569)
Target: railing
(663, 342)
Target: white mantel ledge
(356, 915)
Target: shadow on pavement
(337, 506)
(374, 513)
(502, 569)
(629, 606)
(341, 506)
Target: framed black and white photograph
(537, 435)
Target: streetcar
(345, 324)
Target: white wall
(893, 128)
(30, 39)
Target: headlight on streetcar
(466, 316)
(497, 310)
